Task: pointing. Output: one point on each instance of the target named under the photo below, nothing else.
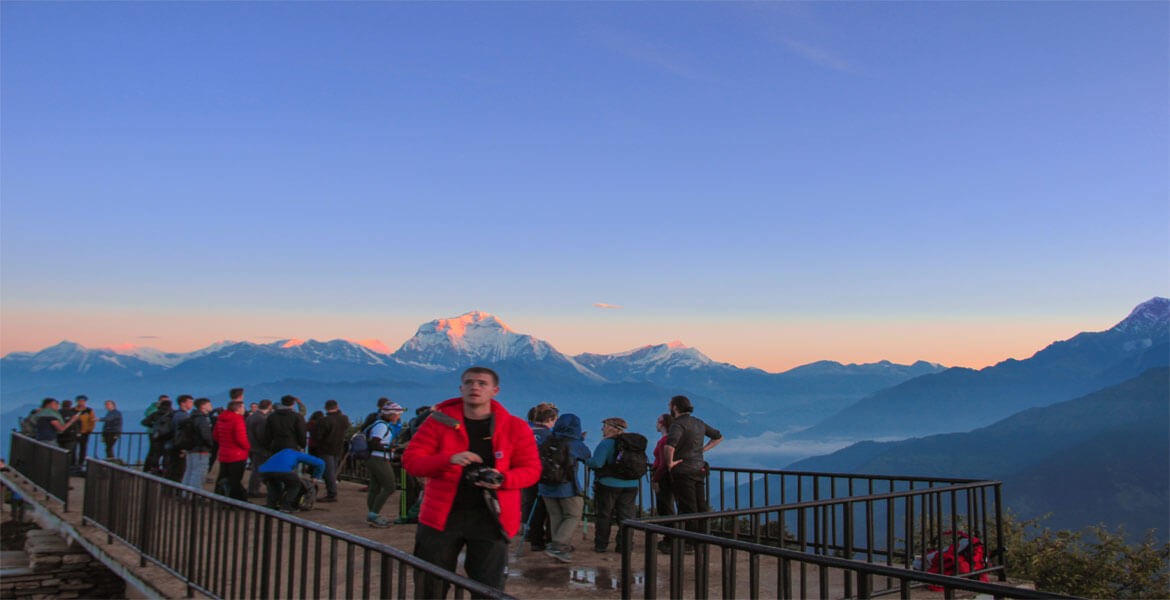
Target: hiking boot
(600, 549)
(380, 522)
(407, 521)
(562, 555)
(328, 499)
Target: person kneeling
(279, 474)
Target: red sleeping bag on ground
(969, 556)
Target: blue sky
(773, 183)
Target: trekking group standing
(476, 474)
(554, 507)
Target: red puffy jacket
(232, 437)
(429, 455)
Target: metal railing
(824, 535)
(230, 549)
(45, 465)
(130, 448)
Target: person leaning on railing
(683, 453)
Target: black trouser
(690, 493)
(257, 457)
(535, 515)
(111, 439)
(283, 489)
(331, 462)
(232, 476)
(487, 550)
(153, 456)
(174, 465)
(69, 444)
(82, 447)
(664, 498)
(606, 502)
(411, 492)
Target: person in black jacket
(285, 427)
(67, 438)
(199, 453)
(330, 434)
(683, 453)
(257, 430)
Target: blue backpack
(359, 444)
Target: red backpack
(969, 556)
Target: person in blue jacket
(563, 500)
(610, 494)
(280, 476)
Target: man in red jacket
(476, 458)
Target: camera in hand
(482, 474)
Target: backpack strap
(446, 419)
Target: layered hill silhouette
(960, 399)
(1100, 458)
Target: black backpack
(187, 437)
(162, 427)
(629, 457)
(556, 465)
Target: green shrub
(1097, 563)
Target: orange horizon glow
(773, 346)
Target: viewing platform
(771, 534)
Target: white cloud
(770, 450)
(606, 306)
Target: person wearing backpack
(383, 479)
(559, 487)
(155, 453)
(174, 463)
(616, 489)
(537, 529)
(199, 454)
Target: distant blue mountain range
(635, 384)
(1043, 454)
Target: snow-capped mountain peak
(1151, 316)
(652, 360)
(149, 355)
(372, 344)
(477, 338)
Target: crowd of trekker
(285, 452)
(678, 474)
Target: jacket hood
(454, 408)
(568, 426)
